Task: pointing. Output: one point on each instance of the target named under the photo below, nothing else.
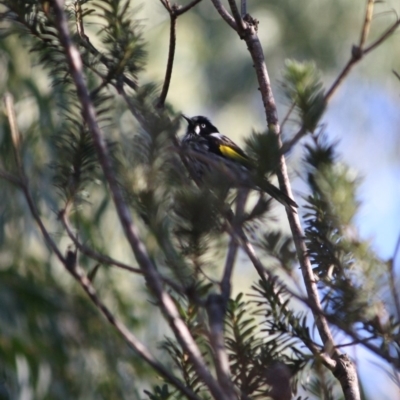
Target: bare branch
(367, 23)
(392, 278)
(216, 311)
(153, 279)
(257, 55)
(174, 12)
(225, 14)
(101, 258)
(286, 117)
(236, 15)
(243, 7)
(76, 272)
(383, 37)
(104, 259)
(358, 52)
(182, 9)
(288, 145)
(341, 77)
(255, 49)
(166, 4)
(170, 62)
(131, 339)
(10, 178)
(85, 42)
(15, 134)
(265, 275)
(233, 246)
(346, 373)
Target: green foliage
(47, 325)
(122, 38)
(349, 272)
(193, 316)
(263, 149)
(52, 334)
(280, 247)
(303, 87)
(160, 393)
(251, 353)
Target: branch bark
(167, 305)
(70, 261)
(358, 52)
(345, 372)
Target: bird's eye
(203, 125)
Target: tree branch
(86, 43)
(243, 7)
(346, 375)
(392, 279)
(70, 263)
(215, 307)
(171, 53)
(358, 52)
(101, 258)
(367, 23)
(104, 259)
(233, 246)
(174, 12)
(167, 305)
(10, 178)
(225, 14)
(236, 15)
(182, 9)
(131, 339)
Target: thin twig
(225, 14)
(233, 246)
(85, 42)
(266, 275)
(104, 259)
(101, 258)
(243, 7)
(77, 273)
(215, 307)
(182, 9)
(392, 278)
(382, 38)
(170, 62)
(174, 12)
(286, 117)
(132, 341)
(236, 15)
(328, 361)
(154, 282)
(358, 52)
(15, 134)
(345, 372)
(15, 180)
(367, 23)
(255, 49)
(288, 145)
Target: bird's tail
(277, 194)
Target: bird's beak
(187, 118)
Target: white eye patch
(197, 130)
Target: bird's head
(200, 126)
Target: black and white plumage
(203, 137)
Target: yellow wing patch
(231, 153)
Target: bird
(207, 147)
